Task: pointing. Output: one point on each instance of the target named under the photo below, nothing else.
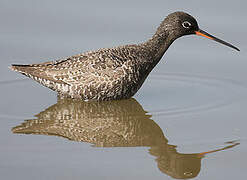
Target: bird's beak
(205, 34)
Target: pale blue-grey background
(34, 31)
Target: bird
(113, 73)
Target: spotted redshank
(113, 73)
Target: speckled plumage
(105, 74)
(113, 73)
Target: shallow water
(187, 121)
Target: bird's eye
(186, 24)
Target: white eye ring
(186, 24)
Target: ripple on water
(178, 93)
(162, 94)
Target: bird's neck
(157, 45)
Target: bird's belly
(118, 87)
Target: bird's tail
(22, 68)
(37, 73)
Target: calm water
(187, 121)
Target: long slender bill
(209, 36)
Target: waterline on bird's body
(163, 94)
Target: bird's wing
(82, 68)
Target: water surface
(187, 121)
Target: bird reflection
(114, 124)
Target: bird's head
(178, 24)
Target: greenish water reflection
(114, 124)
